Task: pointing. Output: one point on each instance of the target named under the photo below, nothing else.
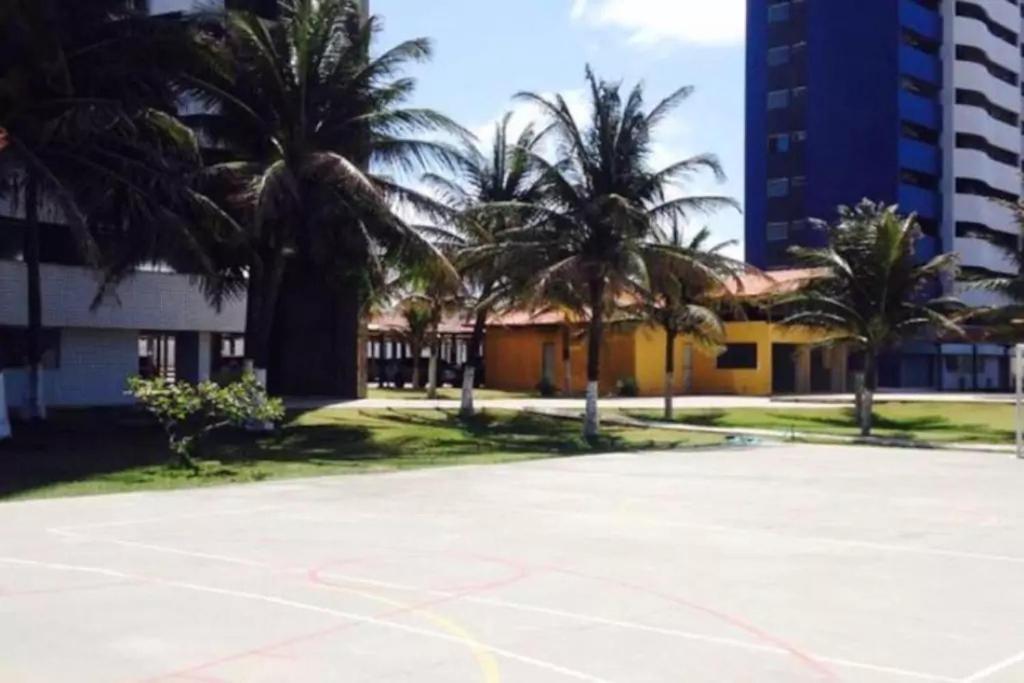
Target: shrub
(546, 387)
(188, 413)
(628, 388)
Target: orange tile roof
(750, 286)
(394, 322)
(774, 282)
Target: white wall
(162, 6)
(94, 368)
(147, 301)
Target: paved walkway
(681, 402)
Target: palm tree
(440, 292)
(686, 290)
(603, 207)
(417, 316)
(84, 95)
(874, 291)
(307, 122)
(1003, 317)
(501, 177)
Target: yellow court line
(483, 655)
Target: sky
(487, 50)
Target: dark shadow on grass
(922, 428)
(75, 445)
(128, 446)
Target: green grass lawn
(933, 422)
(89, 452)
(446, 393)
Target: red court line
(804, 658)
(314, 575)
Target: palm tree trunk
(432, 370)
(417, 355)
(591, 420)
(36, 404)
(567, 360)
(670, 371)
(263, 293)
(867, 392)
(472, 363)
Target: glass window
(778, 231)
(778, 99)
(778, 187)
(778, 12)
(738, 357)
(799, 135)
(799, 181)
(778, 144)
(778, 55)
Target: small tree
(417, 333)
(189, 413)
(602, 203)
(687, 283)
(499, 176)
(874, 291)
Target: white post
(1018, 369)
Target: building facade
(153, 322)
(910, 102)
(913, 102)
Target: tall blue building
(910, 102)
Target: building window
(778, 56)
(778, 144)
(980, 188)
(778, 13)
(778, 99)
(778, 231)
(778, 187)
(799, 136)
(799, 181)
(926, 181)
(738, 357)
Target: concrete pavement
(777, 564)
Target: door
(784, 368)
(547, 366)
(821, 376)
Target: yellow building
(760, 358)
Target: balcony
(920, 156)
(920, 110)
(925, 203)
(980, 253)
(920, 19)
(914, 62)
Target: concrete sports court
(770, 564)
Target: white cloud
(524, 113)
(650, 22)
